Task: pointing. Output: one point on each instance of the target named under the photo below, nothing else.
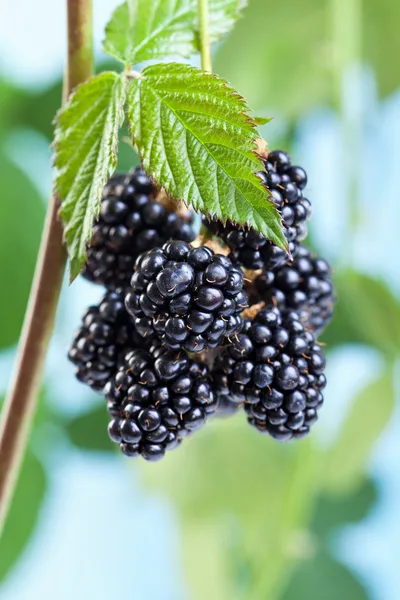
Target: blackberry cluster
(285, 182)
(303, 284)
(99, 345)
(157, 398)
(189, 297)
(170, 307)
(131, 221)
(275, 368)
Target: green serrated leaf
(140, 30)
(86, 142)
(195, 136)
(368, 417)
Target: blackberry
(106, 333)
(189, 297)
(130, 222)
(275, 368)
(285, 182)
(303, 284)
(157, 398)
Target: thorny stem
(204, 35)
(20, 403)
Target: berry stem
(205, 49)
(20, 403)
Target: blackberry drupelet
(189, 297)
(275, 368)
(106, 333)
(131, 221)
(157, 398)
(303, 284)
(286, 183)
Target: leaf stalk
(204, 35)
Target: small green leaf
(86, 141)
(24, 513)
(368, 417)
(195, 136)
(89, 431)
(262, 120)
(138, 32)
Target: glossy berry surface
(274, 367)
(303, 284)
(189, 297)
(106, 333)
(286, 183)
(131, 221)
(157, 398)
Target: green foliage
(292, 69)
(333, 511)
(298, 70)
(132, 36)
(174, 111)
(86, 141)
(366, 313)
(24, 513)
(194, 135)
(21, 219)
(324, 577)
(89, 431)
(319, 571)
(381, 36)
(368, 416)
(371, 310)
(245, 501)
(138, 32)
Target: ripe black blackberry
(106, 333)
(303, 284)
(131, 221)
(286, 183)
(157, 398)
(275, 368)
(189, 297)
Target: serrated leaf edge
(255, 180)
(113, 148)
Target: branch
(21, 400)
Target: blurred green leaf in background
(24, 513)
(21, 220)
